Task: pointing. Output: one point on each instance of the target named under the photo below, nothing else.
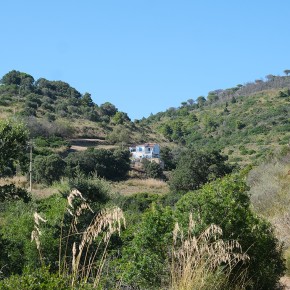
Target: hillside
(55, 108)
(244, 126)
(58, 199)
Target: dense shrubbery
(112, 165)
(195, 168)
(226, 203)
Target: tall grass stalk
(84, 261)
(205, 261)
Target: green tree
(201, 101)
(286, 72)
(87, 100)
(13, 143)
(105, 163)
(48, 169)
(120, 135)
(108, 109)
(195, 168)
(167, 157)
(12, 78)
(120, 118)
(152, 169)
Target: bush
(152, 169)
(105, 163)
(48, 169)
(10, 192)
(196, 168)
(39, 279)
(144, 258)
(225, 202)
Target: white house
(147, 150)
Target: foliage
(167, 156)
(201, 261)
(15, 233)
(145, 256)
(137, 202)
(120, 135)
(48, 169)
(94, 189)
(195, 168)
(39, 279)
(14, 138)
(112, 165)
(10, 192)
(226, 203)
(152, 169)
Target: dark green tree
(167, 157)
(108, 109)
(201, 101)
(47, 169)
(12, 78)
(87, 100)
(195, 168)
(13, 144)
(152, 169)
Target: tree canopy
(195, 168)
(13, 143)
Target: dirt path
(84, 143)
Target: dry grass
(85, 260)
(136, 185)
(270, 195)
(20, 181)
(197, 260)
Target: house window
(140, 149)
(148, 149)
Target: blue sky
(145, 56)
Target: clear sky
(145, 56)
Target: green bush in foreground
(225, 202)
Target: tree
(166, 156)
(120, 118)
(48, 169)
(120, 134)
(105, 163)
(200, 101)
(195, 168)
(152, 169)
(12, 78)
(190, 102)
(108, 109)
(212, 97)
(87, 100)
(286, 72)
(13, 143)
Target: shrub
(152, 169)
(48, 169)
(196, 168)
(105, 163)
(10, 192)
(225, 202)
(144, 258)
(39, 279)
